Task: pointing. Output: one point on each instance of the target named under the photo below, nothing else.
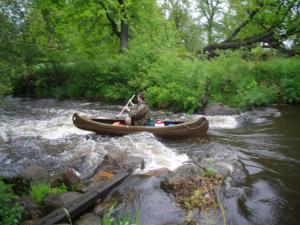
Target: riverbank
(44, 199)
(229, 79)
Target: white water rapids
(41, 132)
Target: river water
(259, 148)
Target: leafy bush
(290, 89)
(39, 191)
(171, 81)
(10, 210)
(283, 73)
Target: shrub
(169, 80)
(283, 73)
(290, 89)
(10, 210)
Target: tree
(117, 15)
(178, 12)
(262, 22)
(209, 11)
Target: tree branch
(112, 22)
(242, 25)
(238, 43)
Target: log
(82, 203)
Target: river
(260, 148)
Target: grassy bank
(173, 82)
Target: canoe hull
(198, 127)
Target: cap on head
(141, 95)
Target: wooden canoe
(197, 127)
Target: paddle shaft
(125, 107)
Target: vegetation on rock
(40, 190)
(196, 193)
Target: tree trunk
(239, 43)
(123, 36)
(209, 33)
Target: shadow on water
(259, 149)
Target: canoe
(172, 129)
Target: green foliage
(39, 191)
(71, 49)
(169, 80)
(209, 172)
(10, 210)
(68, 215)
(174, 83)
(284, 74)
(255, 95)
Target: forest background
(242, 53)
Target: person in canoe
(140, 114)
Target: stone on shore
(68, 178)
(35, 173)
(88, 219)
(30, 210)
(61, 200)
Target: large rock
(88, 219)
(61, 200)
(220, 109)
(103, 206)
(28, 222)
(114, 161)
(35, 173)
(30, 209)
(188, 170)
(68, 178)
(20, 185)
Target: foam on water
(221, 122)
(46, 127)
(42, 131)
(155, 154)
(228, 122)
(145, 145)
(50, 128)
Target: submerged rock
(114, 161)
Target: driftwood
(82, 203)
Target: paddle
(129, 101)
